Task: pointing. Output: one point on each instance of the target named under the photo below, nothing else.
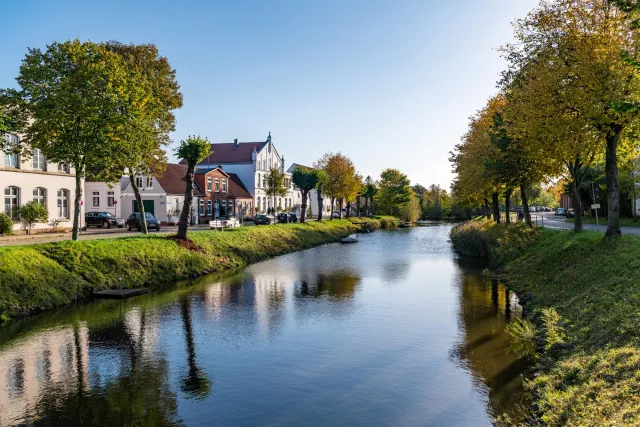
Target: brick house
(223, 194)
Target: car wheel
(158, 228)
(106, 224)
(128, 227)
(139, 227)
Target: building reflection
(484, 349)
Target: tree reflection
(338, 285)
(195, 384)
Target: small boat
(351, 239)
(404, 225)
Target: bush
(387, 222)
(6, 225)
(471, 238)
(31, 213)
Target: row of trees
(100, 108)
(569, 100)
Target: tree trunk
(613, 189)
(136, 192)
(348, 209)
(320, 202)
(303, 206)
(366, 206)
(525, 205)
(188, 200)
(496, 207)
(76, 206)
(487, 209)
(507, 205)
(340, 201)
(577, 207)
(358, 206)
(333, 199)
(371, 206)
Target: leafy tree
(306, 180)
(352, 190)
(340, 173)
(149, 122)
(6, 225)
(411, 211)
(32, 212)
(369, 191)
(74, 94)
(193, 149)
(394, 192)
(322, 180)
(577, 45)
(275, 185)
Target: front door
(149, 206)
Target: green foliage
(194, 149)
(394, 192)
(6, 225)
(33, 212)
(305, 180)
(523, 337)
(411, 211)
(275, 184)
(39, 277)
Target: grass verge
(40, 277)
(624, 222)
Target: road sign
(597, 206)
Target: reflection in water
(486, 306)
(374, 331)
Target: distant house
(251, 162)
(162, 194)
(222, 194)
(312, 203)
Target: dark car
(571, 213)
(283, 217)
(133, 222)
(293, 217)
(262, 219)
(103, 220)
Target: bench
(216, 224)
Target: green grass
(40, 277)
(592, 375)
(625, 222)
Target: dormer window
(149, 182)
(139, 181)
(63, 168)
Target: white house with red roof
(251, 162)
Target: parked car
(534, 209)
(571, 213)
(293, 217)
(262, 219)
(335, 214)
(133, 222)
(283, 218)
(231, 222)
(561, 212)
(102, 220)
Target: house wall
(26, 179)
(103, 191)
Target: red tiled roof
(229, 153)
(236, 188)
(173, 181)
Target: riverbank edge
(583, 297)
(40, 277)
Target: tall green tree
(149, 114)
(74, 94)
(275, 185)
(369, 191)
(394, 191)
(306, 180)
(193, 150)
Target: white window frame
(12, 201)
(209, 184)
(40, 195)
(38, 162)
(63, 168)
(224, 185)
(217, 186)
(149, 182)
(11, 160)
(111, 198)
(62, 203)
(139, 181)
(209, 207)
(95, 199)
(201, 205)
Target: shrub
(31, 213)
(6, 225)
(471, 238)
(388, 222)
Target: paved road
(558, 222)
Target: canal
(394, 330)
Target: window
(149, 182)
(96, 199)
(224, 185)
(217, 185)
(258, 181)
(264, 181)
(209, 184)
(139, 181)
(63, 203)
(11, 159)
(223, 209)
(40, 195)
(39, 162)
(176, 202)
(201, 207)
(63, 168)
(111, 199)
(209, 208)
(11, 201)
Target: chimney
(282, 165)
(236, 144)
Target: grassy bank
(40, 277)
(590, 375)
(625, 222)
(584, 293)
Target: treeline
(568, 105)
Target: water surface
(394, 330)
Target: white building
(162, 194)
(25, 179)
(251, 162)
(312, 203)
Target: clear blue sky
(388, 83)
